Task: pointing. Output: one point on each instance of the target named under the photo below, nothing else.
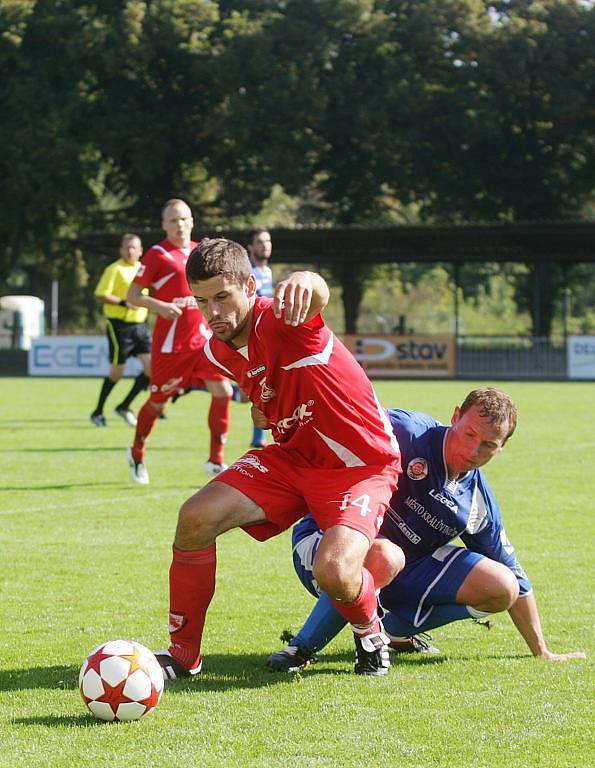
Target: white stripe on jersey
(386, 423)
(321, 358)
(163, 251)
(347, 457)
(160, 283)
(213, 359)
(478, 512)
(168, 341)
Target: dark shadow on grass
(60, 721)
(221, 672)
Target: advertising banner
(581, 357)
(394, 356)
(73, 356)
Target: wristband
(123, 303)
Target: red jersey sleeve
(149, 269)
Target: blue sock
(258, 436)
(441, 615)
(323, 623)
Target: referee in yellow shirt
(127, 331)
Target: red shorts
(356, 497)
(173, 373)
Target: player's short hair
(169, 203)
(128, 236)
(218, 256)
(494, 405)
(254, 232)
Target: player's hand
(259, 419)
(293, 298)
(549, 656)
(169, 311)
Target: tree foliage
(362, 111)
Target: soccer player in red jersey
(180, 331)
(334, 452)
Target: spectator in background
(126, 330)
(260, 246)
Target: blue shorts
(428, 581)
(431, 580)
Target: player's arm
(300, 297)
(491, 540)
(525, 616)
(137, 298)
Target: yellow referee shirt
(116, 279)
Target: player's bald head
(177, 202)
(218, 256)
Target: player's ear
(456, 415)
(250, 286)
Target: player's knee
(196, 527)
(504, 592)
(384, 561)
(338, 578)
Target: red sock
(219, 425)
(147, 416)
(362, 614)
(191, 588)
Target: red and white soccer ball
(121, 680)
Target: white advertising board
(581, 357)
(73, 356)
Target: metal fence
(511, 357)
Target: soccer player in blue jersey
(442, 495)
(260, 246)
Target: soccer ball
(121, 680)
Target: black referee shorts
(126, 340)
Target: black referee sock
(141, 382)
(106, 388)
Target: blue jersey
(264, 280)
(428, 510)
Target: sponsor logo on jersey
(433, 521)
(403, 527)
(442, 499)
(266, 393)
(250, 460)
(176, 622)
(299, 417)
(185, 302)
(417, 469)
(255, 371)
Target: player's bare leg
(490, 587)
(340, 572)
(216, 508)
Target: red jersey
(163, 270)
(319, 401)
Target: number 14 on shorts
(362, 502)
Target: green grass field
(85, 556)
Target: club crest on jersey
(417, 469)
(255, 371)
(176, 622)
